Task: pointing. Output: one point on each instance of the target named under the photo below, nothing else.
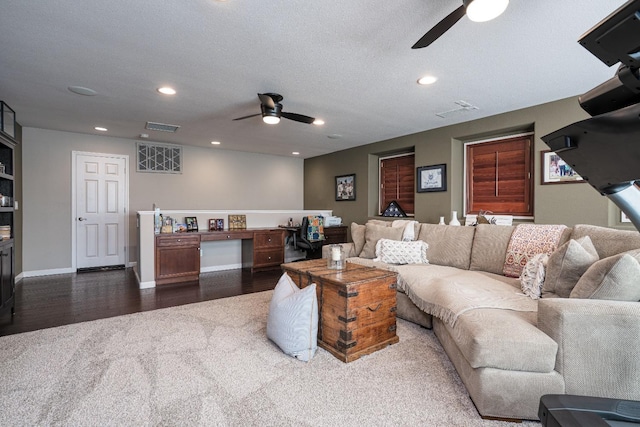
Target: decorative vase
(441, 221)
(454, 218)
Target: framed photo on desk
(192, 223)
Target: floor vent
(162, 127)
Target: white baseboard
(220, 268)
(53, 271)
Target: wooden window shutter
(397, 182)
(499, 176)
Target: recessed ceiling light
(334, 136)
(82, 90)
(318, 122)
(101, 129)
(427, 80)
(215, 142)
(166, 90)
(295, 153)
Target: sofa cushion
(489, 247)
(503, 339)
(608, 241)
(401, 252)
(373, 233)
(448, 245)
(566, 265)
(533, 274)
(357, 236)
(528, 240)
(612, 278)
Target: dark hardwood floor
(48, 301)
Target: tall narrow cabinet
(7, 187)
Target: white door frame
(74, 158)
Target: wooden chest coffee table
(357, 306)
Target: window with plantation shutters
(499, 176)
(397, 182)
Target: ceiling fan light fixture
(318, 122)
(271, 120)
(485, 10)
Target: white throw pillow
(408, 227)
(293, 319)
(398, 252)
(533, 273)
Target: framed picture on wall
(346, 187)
(556, 171)
(431, 178)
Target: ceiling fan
(476, 10)
(272, 110)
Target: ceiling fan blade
(266, 100)
(440, 28)
(246, 117)
(298, 117)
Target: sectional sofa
(566, 321)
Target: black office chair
(313, 248)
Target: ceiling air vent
(162, 127)
(462, 107)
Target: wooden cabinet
(268, 249)
(177, 258)
(334, 235)
(7, 186)
(7, 277)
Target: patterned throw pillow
(532, 277)
(399, 252)
(315, 230)
(528, 240)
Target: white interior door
(100, 210)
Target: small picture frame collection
(345, 187)
(216, 224)
(431, 178)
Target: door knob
(82, 219)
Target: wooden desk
(178, 254)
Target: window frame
(381, 158)
(529, 179)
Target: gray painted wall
(212, 179)
(553, 204)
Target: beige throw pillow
(566, 265)
(357, 236)
(612, 278)
(373, 233)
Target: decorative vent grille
(161, 158)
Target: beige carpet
(210, 363)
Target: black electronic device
(605, 149)
(565, 410)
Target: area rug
(210, 363)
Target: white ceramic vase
(441, 221)
(454, 218)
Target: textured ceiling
(347, 62)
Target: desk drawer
(268, 239)
(267, 258)
(227, 235)
(177, 240)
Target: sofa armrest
(349, 250)
(598, 345)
